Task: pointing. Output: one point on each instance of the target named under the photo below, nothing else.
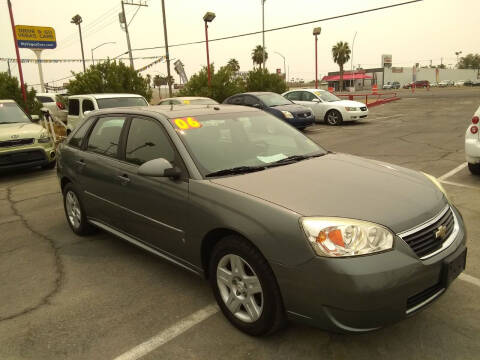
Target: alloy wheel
(73, 209)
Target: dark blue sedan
(296, 115)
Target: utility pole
(263, 33)
(77, 20)
(166, 50)
(316, 31)
(24, 93)
(123, 20)
(9, 71)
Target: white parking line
(168, 334)
(458, 184)
(470, 279)
(385, 117)
(452, 172)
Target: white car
(188, 100)
(472, 144)
(55, 107)
(79, 105)
(459, 83)
(327, 107)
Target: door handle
(124, 179)
(81, 162)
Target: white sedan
(327, 107)
(472, 144)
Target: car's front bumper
(302, 122)
(365, 293)
(27, 156)
(354, 115)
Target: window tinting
(121, 102)
(87, 105)
(237, 100)
(105, 136)
(73, 107)
(76, 139)
(45, 99)
(147, 141)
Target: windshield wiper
(236, 170)
(294, 158)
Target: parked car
(433, 84)
(391, 85)
(281, 227)
(445, 83)
(459, 83)
(22, 142)
(417, 84)
(188, 100)
(275, 104)
(472, 83)
(408, 85)
(79, 105)
(54, 107)
(328, 107)
(472, 144)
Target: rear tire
(241, 277)
(474, 168)
(75, 212)
(333, 118)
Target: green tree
(161, 80)
(341, 54)
(470, 61)
(149, 79)
(109, 77)
(234, 65)
(10, 90)
(261, 80)
(257, 56)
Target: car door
(155, 209)
(311, 101)
(98, 168)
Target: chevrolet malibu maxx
(282, 228)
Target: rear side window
(146, 141)
(45, 99)
(294, 96)
(77, 137)
(87, 105)
(105, 136)
(73, 107)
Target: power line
(281, 27)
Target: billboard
(386, 61)
(35, 37)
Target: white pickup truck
(79, 105)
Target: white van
(78, 105)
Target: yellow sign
(35, 37)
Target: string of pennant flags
(56, 61)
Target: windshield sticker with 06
(186, 123)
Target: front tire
(474, 168)
(75, 212)
(245, 287)
(334, 118)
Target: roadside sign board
(35, 37)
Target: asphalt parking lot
(63, 296)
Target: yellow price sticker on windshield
(187, 123)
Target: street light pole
(208, 17)
(316, 32)
(284, 68)
(263, 33)
(167, 55)
(77, 20)
(105, 43)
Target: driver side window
(294, 96)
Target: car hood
(348, 103)
(339, 185)
(293, 108)
(19, 131)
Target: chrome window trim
(433, 220)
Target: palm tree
(257, 55)
(233, 65)
(341, 54)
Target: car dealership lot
(63, 296)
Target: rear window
(45, 99)
(121, 102)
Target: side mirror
(316, 100)
(35, 118)
(258, 106)
(159, 168)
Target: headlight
(435, 181)
(287, 114)
(337, 237)
(350, 108)
(44, 137)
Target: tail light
(474, 129)
(60, 105)
(475, 120)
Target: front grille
(414, 301)
(16, 142)
(424, 241)
(20, 157)
(363, 108)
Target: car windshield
(272, 99)
(121, 102)
(200, 102)
(11, 113)
(248, 139)
(326, 96)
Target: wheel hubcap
(332, 118)
(73, 209)
(240, 288)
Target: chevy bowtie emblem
(441, 232)
(15, 136)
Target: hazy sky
(418, 32)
